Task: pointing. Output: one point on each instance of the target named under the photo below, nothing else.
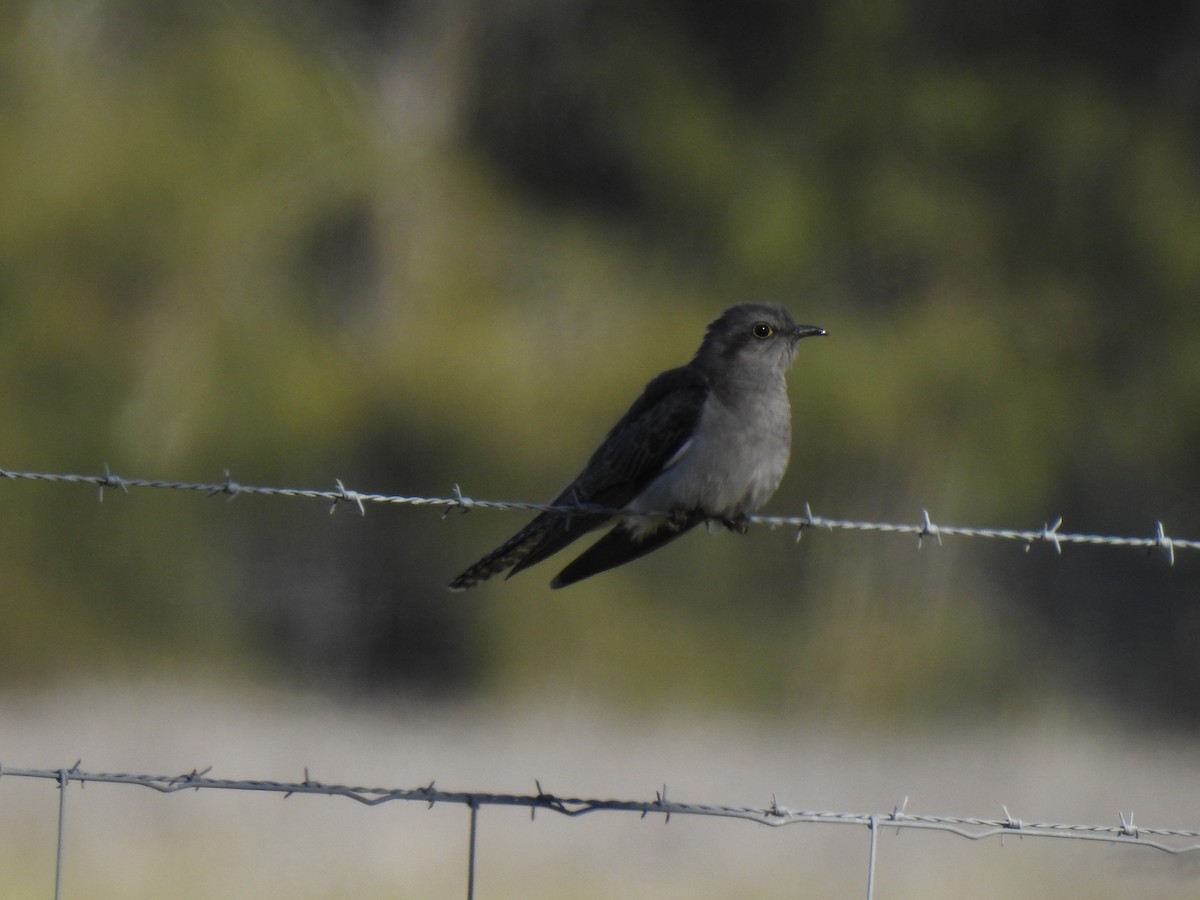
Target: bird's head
(756, 334)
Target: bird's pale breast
(733, 463)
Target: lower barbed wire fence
(1124, 832)
(1174, 841)
(340, 495)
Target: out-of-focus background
(414, 244)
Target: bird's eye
(762, 330)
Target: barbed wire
(1175, 841)
(459, 502)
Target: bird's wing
(644, 442)
(648, 439)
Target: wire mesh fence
(1124, 831)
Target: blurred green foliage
(413, 245)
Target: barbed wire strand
(459, 502)
(1175, 841)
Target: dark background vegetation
(414, 244)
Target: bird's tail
(621, 545)
(507, 555)
(548, 533)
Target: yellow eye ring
(762, 330)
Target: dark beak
(803, 331)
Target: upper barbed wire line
(340, 494)
(231, 489)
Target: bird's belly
(718, 480)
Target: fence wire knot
(194, 776)
(928, 529)
(1128, 829)
(1165, 544)
(229, 487)
(429, 791)
(461, 504)
(1050, 535)
(111, 480)
(65, 774)
(781, 812)
(347, 496)
(806, 521)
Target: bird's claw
(739, 524)
(678, 520)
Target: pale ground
(129, 842)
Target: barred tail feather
(503, 557)
(546, 534)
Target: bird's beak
(803, 331)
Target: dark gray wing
(633, 454)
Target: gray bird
(707, 441)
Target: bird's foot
(678, 520)
(738, 524)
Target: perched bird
(706, 441)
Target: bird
(705, 442)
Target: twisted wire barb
(1168, 840)
(340, 495)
